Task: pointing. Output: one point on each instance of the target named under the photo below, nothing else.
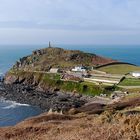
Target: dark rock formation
(45, 100)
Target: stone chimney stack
(49, 44)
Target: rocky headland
(71, 108)
(30, 82)
(44, 59)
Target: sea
(12, 112)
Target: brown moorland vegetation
(44, 59)
(118, 121)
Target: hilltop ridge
(44, 59)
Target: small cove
(12, 112)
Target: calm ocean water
(12, 112)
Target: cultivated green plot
(130, 82)
(119, 68)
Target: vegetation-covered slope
(50, 81)
(57, 57)
(119, 68)
(130, 82)
(119, 121)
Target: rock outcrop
(43, 59)
(57, 101)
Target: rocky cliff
(31, 70)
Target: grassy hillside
(53, 82)
(119, 68)
(46, 58)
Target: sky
(70, 21)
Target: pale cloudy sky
(70, 21)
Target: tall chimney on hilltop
(49, 44)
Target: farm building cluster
(81, 73)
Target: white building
(54, 70)
(136, 74)
(79, 69)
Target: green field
(53, 81)
(130, 82)
(119, 68)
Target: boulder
(11, 79)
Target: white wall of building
(80, 69)
(136, 74)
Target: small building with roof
(136, 74)
(79, 69)
(54, 70)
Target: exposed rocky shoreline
(57, 101)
